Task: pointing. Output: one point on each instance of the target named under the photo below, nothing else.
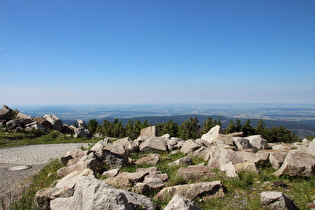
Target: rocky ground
(13, 182)
(81, 186)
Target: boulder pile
(78, 187)
(19, 122)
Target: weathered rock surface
(110, 173)
(151, 159)
(153, 144)
(182, 161)
(36, 126)
(276, 201)
(189, 146)
(91, 193)
(229, 170)
(277, 158)
(5, 113)
(13, 123)
(311, 147)
(119, 182)
(213, 134)
(114, 156)
(134, 177)
(195, 172)
(297, 163)
(25, 119)
(88, 161)
(207, 189)
(148, 132)
(182, 203)
(220, 156)
(42, 121)
(257, 141)
(127, 144)
(55, 121)
(66, 129)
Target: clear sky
(156, 51)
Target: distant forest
(190, 129)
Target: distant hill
(301, 128)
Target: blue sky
(156, 51)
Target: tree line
(190, 129)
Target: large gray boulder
(213, 134)
(55, 121)
(150, 159)
(153, 144)
(5, 113)
(189, 146)
(112, 155)
(81, 133)
(257, 141)
(195, 172)
(81, 124)
(276, 201)
(127, 144)
(207, 189)
(311, 147)
(229, 170)
(25, 119)
(220, 156)
(43, 122)
(91, 193)
(13, 123)
(182, 203)
(148, 132)
(88, 161)
(63, 189)
(36, 126)
(182, 161)
(277, 158)
(297, 163)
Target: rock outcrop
(276, 201)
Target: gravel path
(12, 182)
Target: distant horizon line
(156, 104)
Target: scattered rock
(5, 113)
(182, 203)
(55, 122)
(149, 132)
(297, 163)
(43, 122)
(119, 182)
(13, 123)
(195, 172)
(111, 173)
(205, 189)
(276, 159)
(229, 170)
(150, 159)
(153, 144)
(182, 161)
(213, 134)
(115, 156)
(276, 201)
(311, 147)
(134, 177)
(257, 141)
(189, 146)
(25, 119)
